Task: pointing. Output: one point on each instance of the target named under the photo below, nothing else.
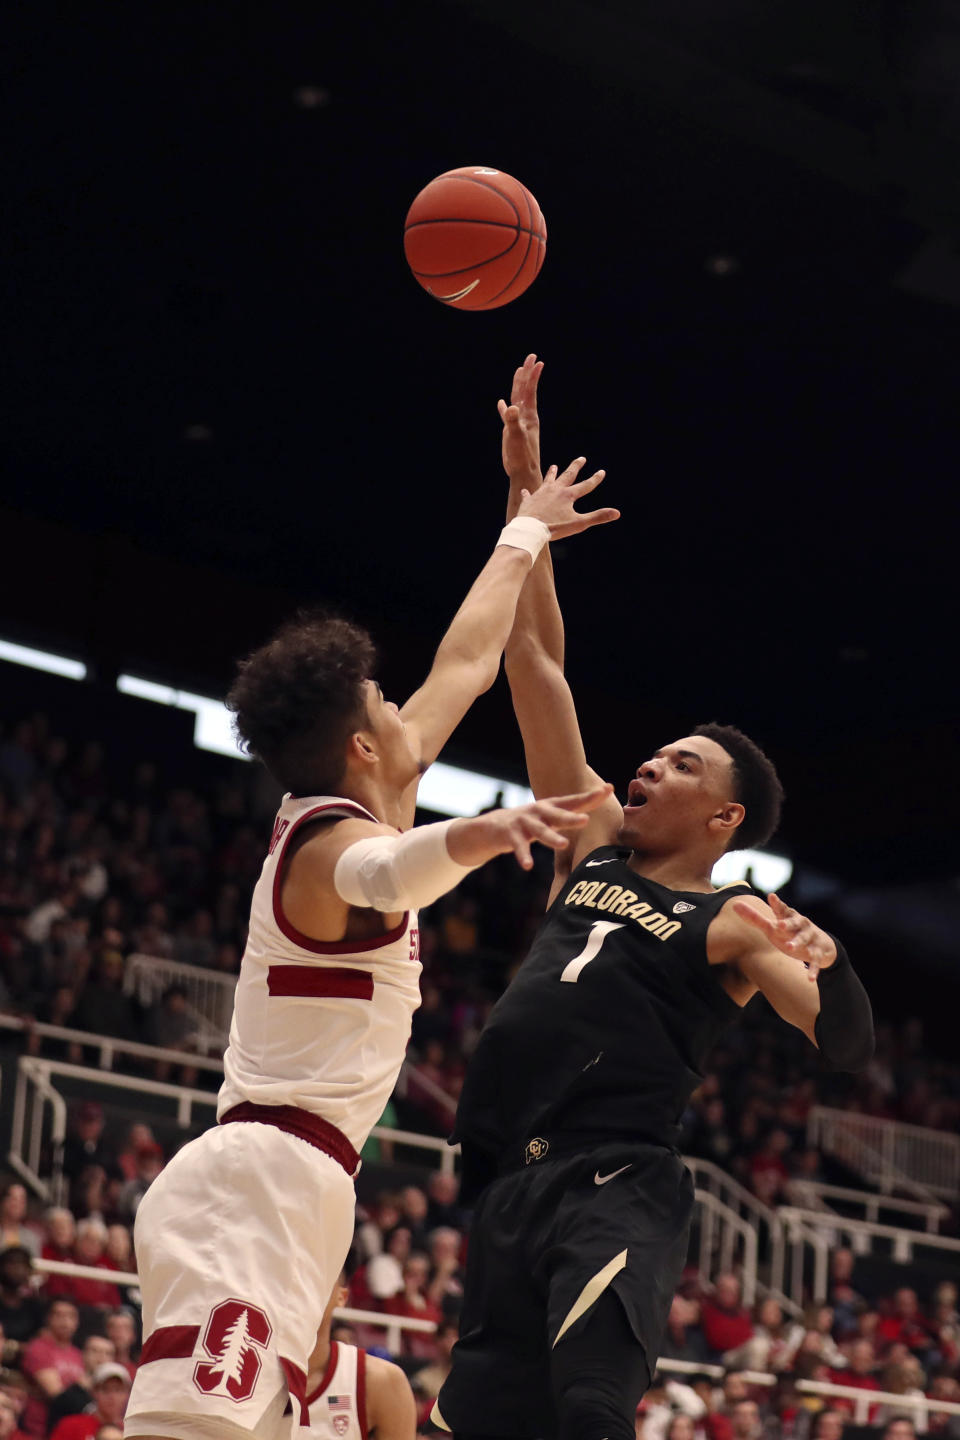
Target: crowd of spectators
(95, 867)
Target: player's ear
(360, 748)
(727, 818)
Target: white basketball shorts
(239, 1243)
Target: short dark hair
(756, 785)
(299, 697)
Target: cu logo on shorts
(235, 1332)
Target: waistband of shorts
(571, 1145)
(303, 1124)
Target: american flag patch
(337, 1401)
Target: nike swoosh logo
(601, 862)
(599, 1179)
(460, 294)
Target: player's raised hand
(545, 822)
(521, 425)
(791, 932)
(553, 503)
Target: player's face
(676, 794)
(400, 765)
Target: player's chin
(633, 824)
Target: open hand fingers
(584, 487)
(598, 517)
(756, 917)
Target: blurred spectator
(21, 1311)
(103, 1007)
(906, 1378)
(149, 1159)
(828, 1424)
(684, 1339)
(171, 1026)
(61, 1234)
(847, 1303)
(726, 1322)
(14, 1393)
(13, 1212)
(442, 1201)
(859, 1373)
(97, 1350)
(51, 1361)
(773, 1344)
(413, 1302)
(138, 1136)
(905, 1324)
(768, 1169)
(121, 1328)
(445, 1289)
(90, 1249)
(86, 1143)
(413, 1207)
(661, 1404)
(111, 1391)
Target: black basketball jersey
(603, 1033)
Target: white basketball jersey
(338, 1408)
(320, 1026)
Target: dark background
(223, 394)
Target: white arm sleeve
(399, 872)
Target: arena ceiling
(224, 395)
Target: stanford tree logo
(235, 1332)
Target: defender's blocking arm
(468, 658)
(542, 700)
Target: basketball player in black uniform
(570, 1109)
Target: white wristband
(524, 532)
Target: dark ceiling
(223, 393)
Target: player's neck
(318, 1362)
(688, 873)
(383, 801)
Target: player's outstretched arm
(360, 864)
(807, 977)
(391, 1407)
(468, 659)
(542, 699)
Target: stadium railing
(726, 1241)
(812, 1230)
(816, 1195)
(396, 1325)
(889, 1154)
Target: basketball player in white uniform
(241, 1237)
(352, 1395)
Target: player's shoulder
(388, 1389)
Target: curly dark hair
(299, 697)
(756, 785)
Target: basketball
(475, 238)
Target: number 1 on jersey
(599, 931)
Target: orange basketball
(475, 238)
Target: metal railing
(36, 1099)
(815, 1195)
(763, 1218)
(915, 1406)
(209, 993)
(394, 1325)
(721, 1228)
(822, 1233)
(889, 1153)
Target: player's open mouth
(635, 795)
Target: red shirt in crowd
(45, 1353)
(894, 1329)
(725, 1329)
(77, 1427)
(856, 1381)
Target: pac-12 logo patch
(682, 906)
(236, 1331)
(535, 1150)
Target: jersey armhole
(286, 926)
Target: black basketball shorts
(547, 1241)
